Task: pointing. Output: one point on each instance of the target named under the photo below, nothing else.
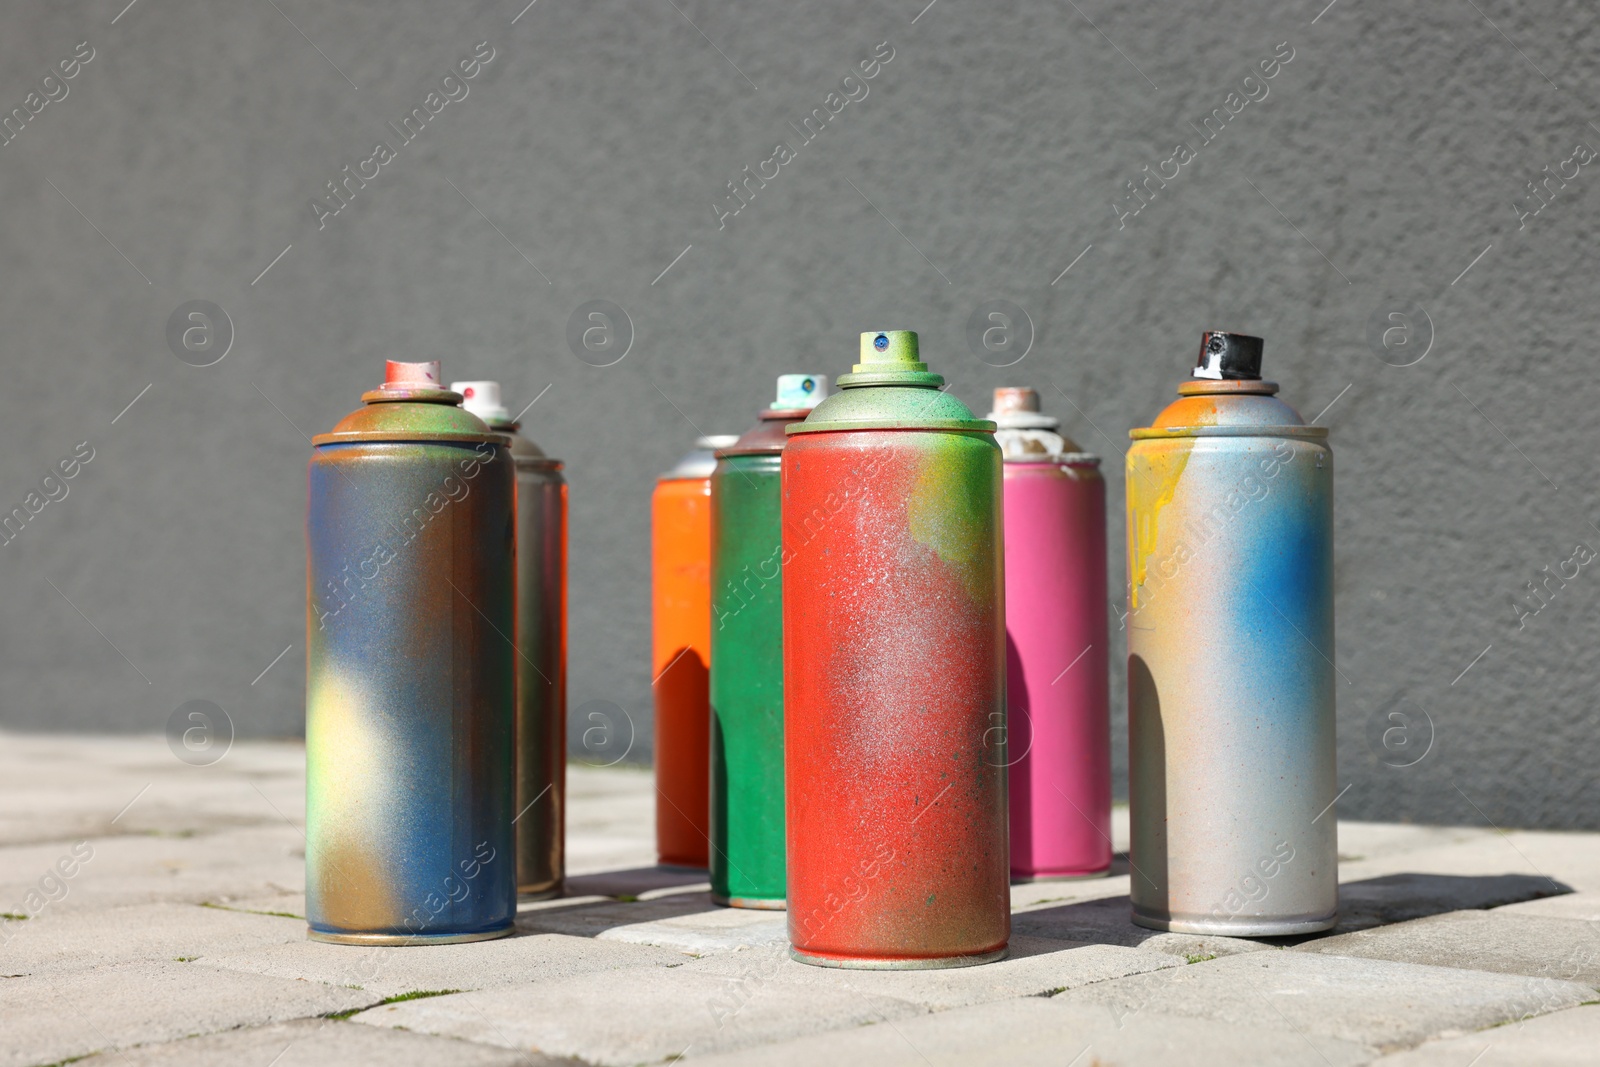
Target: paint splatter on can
(747, 836)
(680, 523)
(894, 673)
(410, 683)
(1230, 658)
(1058, 704)
(539, 824)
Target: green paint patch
(14, 916)
(417, 994)
(952, 511)
(1199, 958)
(627, 898)
(69, 1059)
(184, 959)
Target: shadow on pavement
(1362, 905)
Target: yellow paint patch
(346, 798)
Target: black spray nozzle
(1232, 357)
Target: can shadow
(1364, 904)
(682, 747)
(1147, 771)
(1020, 770)
(637, 882)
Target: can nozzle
(1011, 399)
(889, 350)
(482, 398)
(412, 375)
(800, 391)
(1232, 357)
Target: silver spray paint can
(1231, 679)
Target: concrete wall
(989, 154)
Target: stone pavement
(154, 917)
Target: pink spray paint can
(1059, 726)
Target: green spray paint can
(747, 824)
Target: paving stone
(703, 932)
(1535, 945)
(319, 1043)
(1106, 921)
(107, 772)
(256, 861)
(590, 920)
(1375, 842)
(1369, 902)
(1571, 859)
(638, 1016)
(50, 1019)
(1583, 905)
(1026, 896)
(1037, 1032)
(1033, 967)
(1568, 1038)
(56, 943)
(280, 905)
(1370, 1002)
(393, 971)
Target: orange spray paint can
(681, 657)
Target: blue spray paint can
(410, 676)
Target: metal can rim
(1152, 433)
(1075, 459)
(414, 437)
(972, 426)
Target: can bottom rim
(408, 939)
(755, 903)
(540, 891)
(1020, 878)
(897, 963)
(1237, 928)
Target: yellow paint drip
(1153, 476)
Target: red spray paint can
(894, 673)
(1057, 688)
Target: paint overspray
(747, 824)
(410, 676)
(539, 824)
(1058, 726)
(1230, 658)
(680, 537)
(894, 673)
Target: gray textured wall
(1388, 154)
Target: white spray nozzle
(800, 391)
(482, 399)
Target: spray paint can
(1058, 703)
(541, 727)
(1230, 658)
(680, 523)
(747, 844)
(410, 683)
(894, 673)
